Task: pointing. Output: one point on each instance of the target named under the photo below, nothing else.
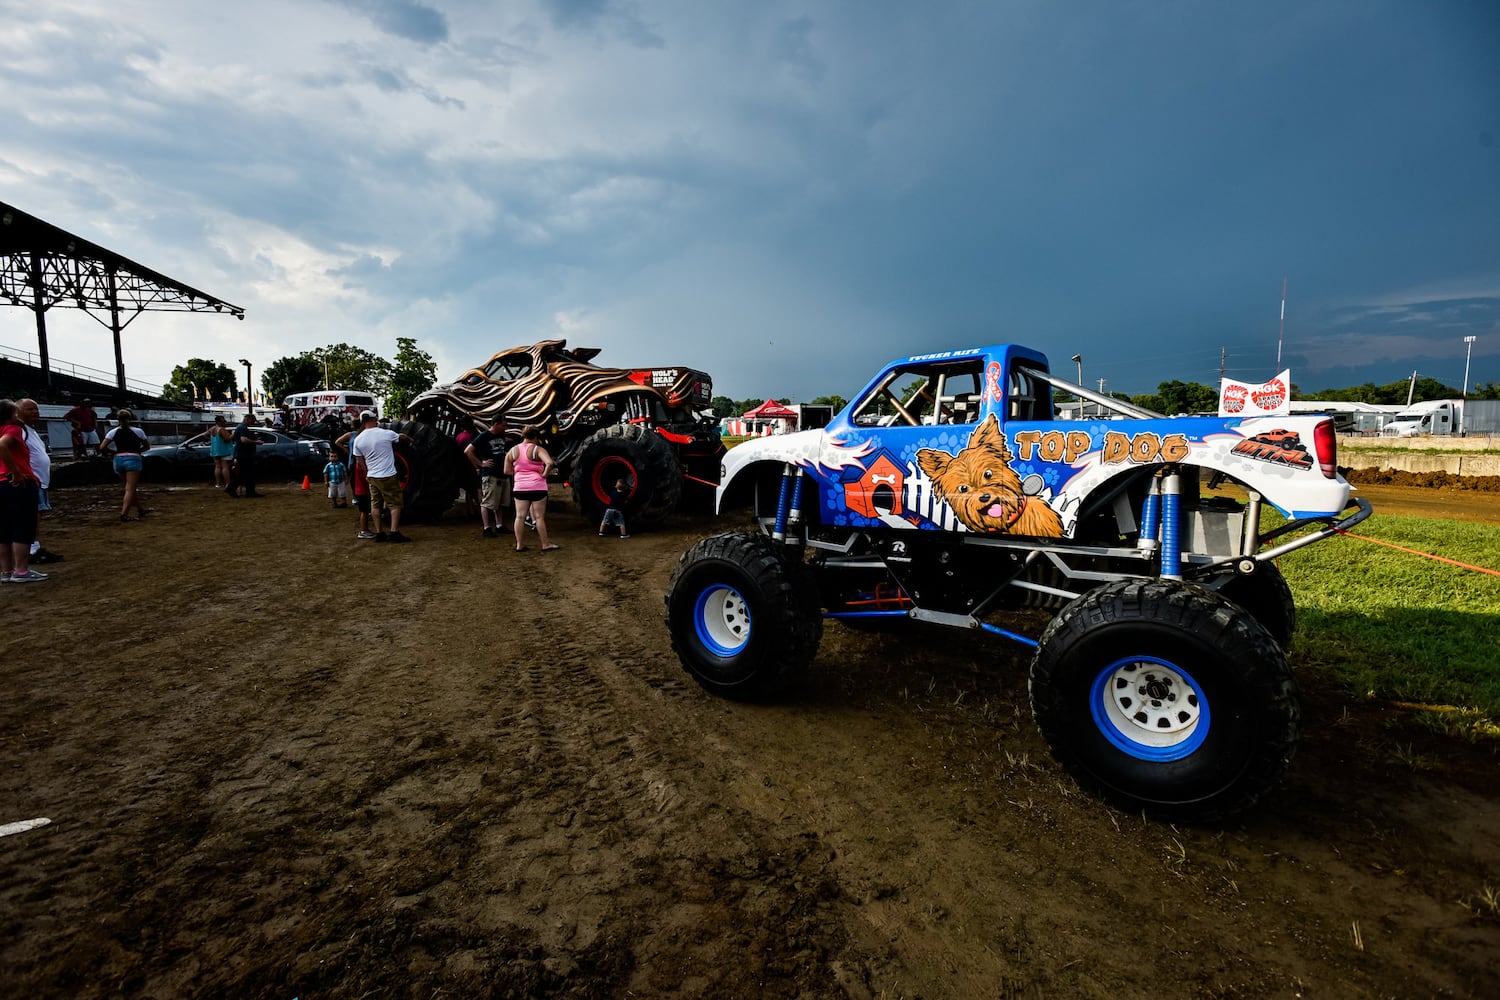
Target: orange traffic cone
(306, 483)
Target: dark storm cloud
(604, 16)
(413, 21)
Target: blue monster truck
(946, 492)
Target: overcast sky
(786, 195)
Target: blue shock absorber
(1171, 527)
(1151, 517)
(783, 505)
(794, 514)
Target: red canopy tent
(766, 413)
(770, 410)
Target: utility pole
(1078, 360)
(1469, 353)
(1411, 389)
(1281, 330)
(1222, 355)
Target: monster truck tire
(643, 458)
(1167, 697)
(429, 470)
(743, 616)
(1267, 597)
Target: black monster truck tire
(1269, 600)
(643, 459)
(1167, 697)
(743, 615)
(429, 471)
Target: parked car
(281, 456)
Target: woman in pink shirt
(530, 464)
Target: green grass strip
(1396, 626)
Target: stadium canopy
(42, 266)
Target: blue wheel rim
(1149, 708)
(722, 620)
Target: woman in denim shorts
(128, 443)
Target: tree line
(338, 366)
(1195, 397)
(412, 371)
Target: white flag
(1269, 399)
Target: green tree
(837, 402)
(413, 374)
(1392, 393)
(200, 379)
(350, 367)
(291, 374)
(723, 407)
(1180, 397)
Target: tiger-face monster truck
(644, 425)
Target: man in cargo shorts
(487, 454)
(375, 448)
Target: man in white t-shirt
(375, 449)
(41, 464)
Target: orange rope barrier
(1419, 552)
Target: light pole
(1468, 353)
(249, 392)
(1077, 359)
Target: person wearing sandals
(530, 465)
(221, 450)
(128, 443)
(19, 493)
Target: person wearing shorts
(85, 423)
(336, 474)
(128, 443)
(358, 484)
(614, 514)
(19, 492)
(530, 464)
(487, 454)
(221, 450)
(41, 465)
(375, 448)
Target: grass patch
(1399, 627)
(1387, 448)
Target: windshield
(947, 393)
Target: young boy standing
(336, 474)
(614, 514)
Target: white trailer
(1444, 417)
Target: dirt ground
(281, 762)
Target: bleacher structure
(43, 267)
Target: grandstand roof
(43, 266)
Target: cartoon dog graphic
(983, 490)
